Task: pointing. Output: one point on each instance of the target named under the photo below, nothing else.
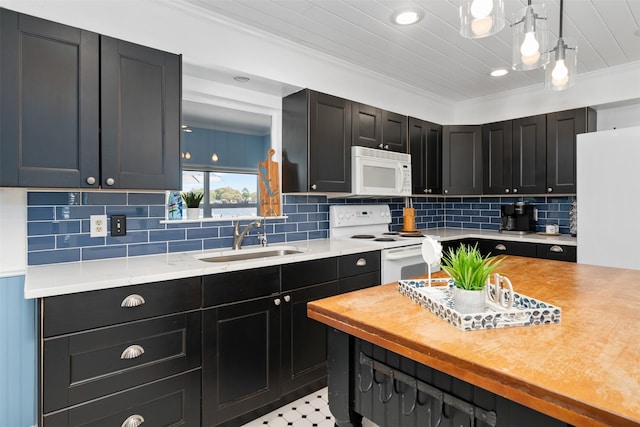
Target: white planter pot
(193, 213)
(466, 301)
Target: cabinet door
(304, 340)
(394, 132)
(50, 104)
(367, 126)
(497, 157)
(462, 160)
(425, 147)
(140, 101)
(529, 155)
(174, 401)
(240, 358)
(504, 247)
(329, 143)
(562, 129)
(557, 252)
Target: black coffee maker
(519, 217)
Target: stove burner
(363, 236)
(384, 239)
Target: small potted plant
(192, 199)
(470, 272)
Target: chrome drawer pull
(132, 300)
(361, 262)
(557, 249)
(133, 421)
(500, 247)
(132, 352)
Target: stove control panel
(358, 215)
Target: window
(225, 193)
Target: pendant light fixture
(561, 71)
(530, 46)
(481, 18)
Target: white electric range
(400, 252)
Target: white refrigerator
(608, 198)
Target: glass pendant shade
(561, 71)
(530, 38)
(481, 18)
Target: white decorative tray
(526, 311)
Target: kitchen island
(583, 371)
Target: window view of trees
(225, 193)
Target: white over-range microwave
(380, 173)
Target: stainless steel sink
(243, 255)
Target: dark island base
(360, 385)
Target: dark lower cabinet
(240, 359)
(490, 247)
(358, 271)
(505, 247)
(174, 401)
(557, 252)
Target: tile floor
(308, 411)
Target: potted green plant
(192, 199)
(470, 272)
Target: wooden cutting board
(269, 186)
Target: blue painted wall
(17, 355)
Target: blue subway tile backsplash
(58, 222)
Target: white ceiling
(431, 55)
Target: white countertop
(58, 279)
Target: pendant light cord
(560, 31)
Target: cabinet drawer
(174, 401)
(76, 312)
(352, 265)
(84, 366)
(241, 285)
(301, 274)
(503, 247)
(557, 252)
(360, 281)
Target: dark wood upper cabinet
(80, 110)
(316, 143)
(140, 104)
(529, 155)
(462, 160)
(562, 130)
(376, 128)
(497, 157)
(425, 147)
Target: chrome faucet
(238, 235)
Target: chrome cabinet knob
(549, 190)
(287, 298)
(381, 146)
(500, 247)
(110, 181)
(446, 191)
(313, 187)
(515, 190)
(429, 191)
(277, 301)
(361, 262)
(557, 249)
(91, 180)
(386, 147)
(506, 190)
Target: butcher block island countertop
(583, 371)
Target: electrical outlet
(118, 225)
(98, 225)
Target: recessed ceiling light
(241, 79)
(406, 17)
(499, 72)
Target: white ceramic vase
(466, 301)
(193, 213)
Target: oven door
(403, 263)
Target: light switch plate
(98, 225)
